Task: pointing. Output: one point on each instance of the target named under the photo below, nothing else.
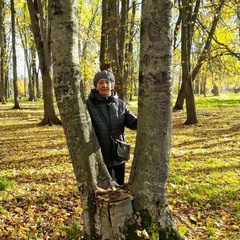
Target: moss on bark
(141, 226)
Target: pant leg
(119, 173)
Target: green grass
(223, 100)
(5, 183)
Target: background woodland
(206, 47)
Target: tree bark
(104, 48)
(14, 58)
(148, 179)
(42, 44)
(187, 34)
(2, 95)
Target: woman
(110, 116)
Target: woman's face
(104, 87)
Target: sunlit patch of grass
(224, 100)
(194, 192)
(5, 183)
(74, 231)
(182, 230)
(177, 178)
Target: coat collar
(95, 96)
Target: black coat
(117, 116)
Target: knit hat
(103, 74)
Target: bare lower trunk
(190, 104)
(50, 116)
(180, 100)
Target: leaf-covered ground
(39, 198)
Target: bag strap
(108, 128)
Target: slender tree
(5, 60)
(188, 24)
(42, 41)
(104, 48)
(129, 64)
(186, 40)
(14, 58)
(29, 50)
(2, 87)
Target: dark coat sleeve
(130, 119)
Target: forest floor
(38, 194)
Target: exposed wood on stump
(114, 209)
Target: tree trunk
(188, 18)
(32, 75)
(185, 59)
(5, 64)
(113, 45)
(190, 103)
(42, 42)
(2, 95)
(180, 99)
(215, 90)
(104, 47)
(129, 65)
(15, 84)
(122, 50)
(151, 159)
(186, 91)
(36, 73)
